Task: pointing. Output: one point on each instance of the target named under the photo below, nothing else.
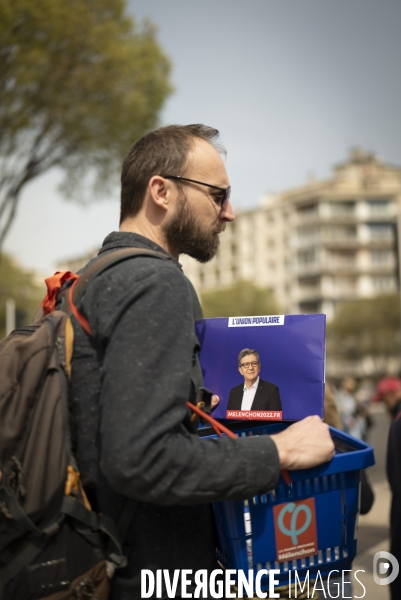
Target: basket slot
(335, 484)
(328, 554)
(298, 492)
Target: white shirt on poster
(249, 395)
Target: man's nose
(227, 213)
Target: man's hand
(304, 445)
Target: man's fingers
(305, 444)
(215, 400)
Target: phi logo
(295, 529)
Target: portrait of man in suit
(254, 393)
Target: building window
(342, 259)
(342, 208)
(380, 257)
(306, 234)
(308, 211)
(307, 208)
(380, 231)
(378, 207)
(338, 234)
(383, 284)
(307, 257)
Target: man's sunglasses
(221, 197)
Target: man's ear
(239, 369)
(159, 191)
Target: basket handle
(220, 429)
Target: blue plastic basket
(246, 529)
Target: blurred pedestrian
(353, 415)
(331, 413)
(333, 418)
(389, 392)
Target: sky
(291, 85)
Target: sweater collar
(126, 239)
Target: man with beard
(133, 434)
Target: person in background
(389, 392)
(331, 414)
(353, 416)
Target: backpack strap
(72, 297)
(106, 261)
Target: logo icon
(293, 533)
(295, 529)
(381, 567)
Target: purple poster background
(292, 357)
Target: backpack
(52, 545)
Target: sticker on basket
(295, 529)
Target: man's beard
(186, 235)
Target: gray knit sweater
(131, 429)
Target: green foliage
(79, 83)
(21, 286)
(370, 326)
(243, 298)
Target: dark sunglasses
(221, 197)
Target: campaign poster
(286, 369)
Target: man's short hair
(161, 152)
(246, 352)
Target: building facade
(317, 245)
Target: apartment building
(316, 245)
